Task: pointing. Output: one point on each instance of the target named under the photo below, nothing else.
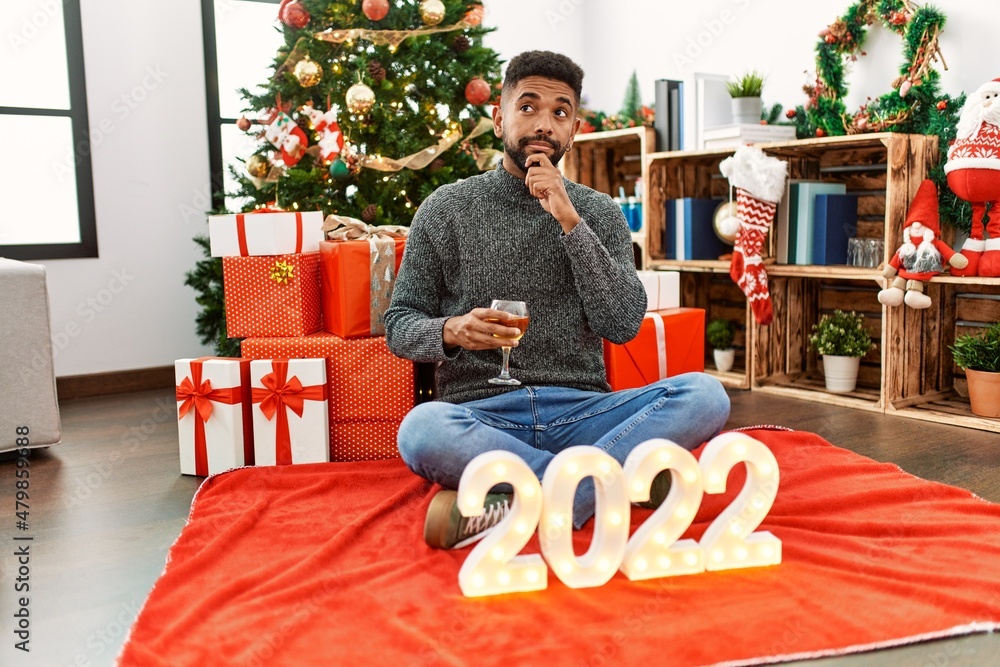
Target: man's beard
(516, 152)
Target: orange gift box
(357, 279)
(670, 342)
(371, 389)
(276, 295)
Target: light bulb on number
(532, 576)
(660, 537)
(638, 486)
(690, 476)
(604, 565)
(504, 578)
(605, 467)
(471, 502)
(566, 567)
(572, 468)
(714, 479)
(758, 502)
(559, 520)
(663, 562)
(765, 469)
(682, 512)
(740, 449)
(497, 553)
(521, 527)
(690, 558)
(615, 519)
(767, 551)
(718, 556)
(664, 456)
(741, 554)
(735, 528)
(528, 491)
(499, 469)
(478, 581)
(641, 564)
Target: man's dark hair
(546, 64)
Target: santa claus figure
(973, 170)
(922, 254)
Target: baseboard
(115, 382)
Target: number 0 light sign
(654, 549)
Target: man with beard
(522, 232)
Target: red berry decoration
(375, 10)
(244, 124)
(820, 132)
(790, 113)
(942, 105)
(293, 14)
(477, 91)
(475, 15)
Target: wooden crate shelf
(911, 372)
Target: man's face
(537, 116)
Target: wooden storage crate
(610, 162)
(783, 360)
(720, 298)
(927, 385)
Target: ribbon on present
(282, 272)
(241, 230)
(198, 396)
(279, 395)
(382, 265)
(661, 346)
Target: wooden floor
(107, 503)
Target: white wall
(130, 309)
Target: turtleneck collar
(509, 184)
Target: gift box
(357, 278)
(670, 342)
(290, 411)
(663, 289)
(370, 389)
(214, 426)
(271, 296)
(257, 234)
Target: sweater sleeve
(600, 250)
(414, 327)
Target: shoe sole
(440, 504)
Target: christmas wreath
(913, 105)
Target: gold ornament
(257, 166)
(726, 223)
(308, 72)
(360, 98)
(432, 11)
(282, 272)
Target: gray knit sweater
(487, 238)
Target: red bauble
(477, 91)
(790, 113)
(375, 10)
(294, 15)
(820, 132)
(942, 105)
(244, 123)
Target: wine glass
(520, 310)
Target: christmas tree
(372, 106)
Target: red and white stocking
(747, 268)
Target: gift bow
(282, 272)
(343, 228)
(198, 395)
(279, 395)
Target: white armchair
(27, 377)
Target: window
(47, 190)
(241, 40)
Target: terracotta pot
(984, 392)
(724, 359)
(840, 373)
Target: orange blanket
(324, 564)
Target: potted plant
(746, 91)
(720, 334)
(842, 340)
(979, 355)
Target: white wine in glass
(520, 321)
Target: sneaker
(658, 490)
(446, 528)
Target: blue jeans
(437, 440)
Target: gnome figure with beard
(973, 170)
(922, 254)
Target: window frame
(217, 169)
(86, 247)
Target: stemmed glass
(520, 310)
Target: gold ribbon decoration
(282, 272)
(423, 158)
(382, 260)
(393, 38)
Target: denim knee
(711, 396)
(418, 430)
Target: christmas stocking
(285, 134)
(759, 181)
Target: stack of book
(815, 220)
(737, 134)
(690, 232)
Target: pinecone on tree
(436, 165)
(369, 213)
(461, 44)
(376, 71)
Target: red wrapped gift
(271, 296)
(371, 389)
(358, 272)
(215, 427)
(670, 342)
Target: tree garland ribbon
(423, 158)
(392, 38)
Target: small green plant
(720, 334)
(749, 84)
(841, 334)
(980, 352)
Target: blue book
(835, 221)
(700, 239)
(802, 198)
